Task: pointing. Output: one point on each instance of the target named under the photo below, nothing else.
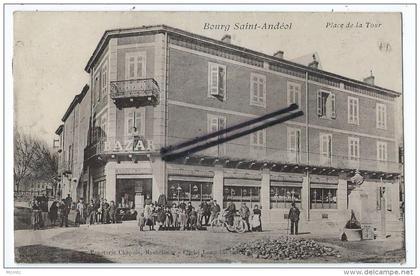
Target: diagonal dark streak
(175, 155)
(168, 149)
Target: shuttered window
(217, 81)
(353, 110)
(381, 116)
(326, 104)
(258, 90)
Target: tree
(33, 160)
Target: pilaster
(218, 185)
(265, 190)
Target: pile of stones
(284, 248)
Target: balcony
(134, 93)
(120, 148)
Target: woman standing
(256, 219)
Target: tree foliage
(34, 161)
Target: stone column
(159, 178)
(395, 195)
(305, 195)
(110, 182)
(265, 190)
(342, 194)
(218, 185)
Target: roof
(278, 61)
(77, 99)
(59, 129)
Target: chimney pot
(279, 54)
(227, 38)
(370, 80)
(314, 63)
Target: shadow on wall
(46, 254)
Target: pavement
(124, 243)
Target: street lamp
(179, 189)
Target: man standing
(294, 219)
(65, 209)
(80, 210)
(245, 213)
(112, 212)
(91, 212)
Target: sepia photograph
(208, 137)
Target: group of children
(182, 216)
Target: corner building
(156, 86)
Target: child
(183, 219)
(141, 221)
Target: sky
(51, 49)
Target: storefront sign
(131, 145)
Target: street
(124, 243)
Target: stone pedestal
(358, 202)
(139, 200)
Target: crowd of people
(182, 216)
(156, 216)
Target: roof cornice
(264, 57)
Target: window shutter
(221, 82)
(319, 103)
(212, 81)
(333, 113)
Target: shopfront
(238, 190)
(132, 192)
(189, 188)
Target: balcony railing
(134, 93)
(118, 145)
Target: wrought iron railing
(134, 88)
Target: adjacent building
(156, 86)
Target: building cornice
(77, 99)
(231, 47)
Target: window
(99, 188)
(353, 110)
(135, 65)
(97, 90)
(216, 123)
(381, 151)
(258, 139)
(241, 194)
(293, 93)
(293, 144)
(134, 122)
(282, 197)
(326, 104)
(217, 81)
(381, 116)
(258, 90)
(325, 148)
(104, 79)
(354, 148)
(322, 198)
(103, 127)
(189, 191)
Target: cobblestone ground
(124, 243)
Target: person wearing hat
(294, 219)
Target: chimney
(314, 63)
(226, 38)
(279, 54)
(370, 80)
